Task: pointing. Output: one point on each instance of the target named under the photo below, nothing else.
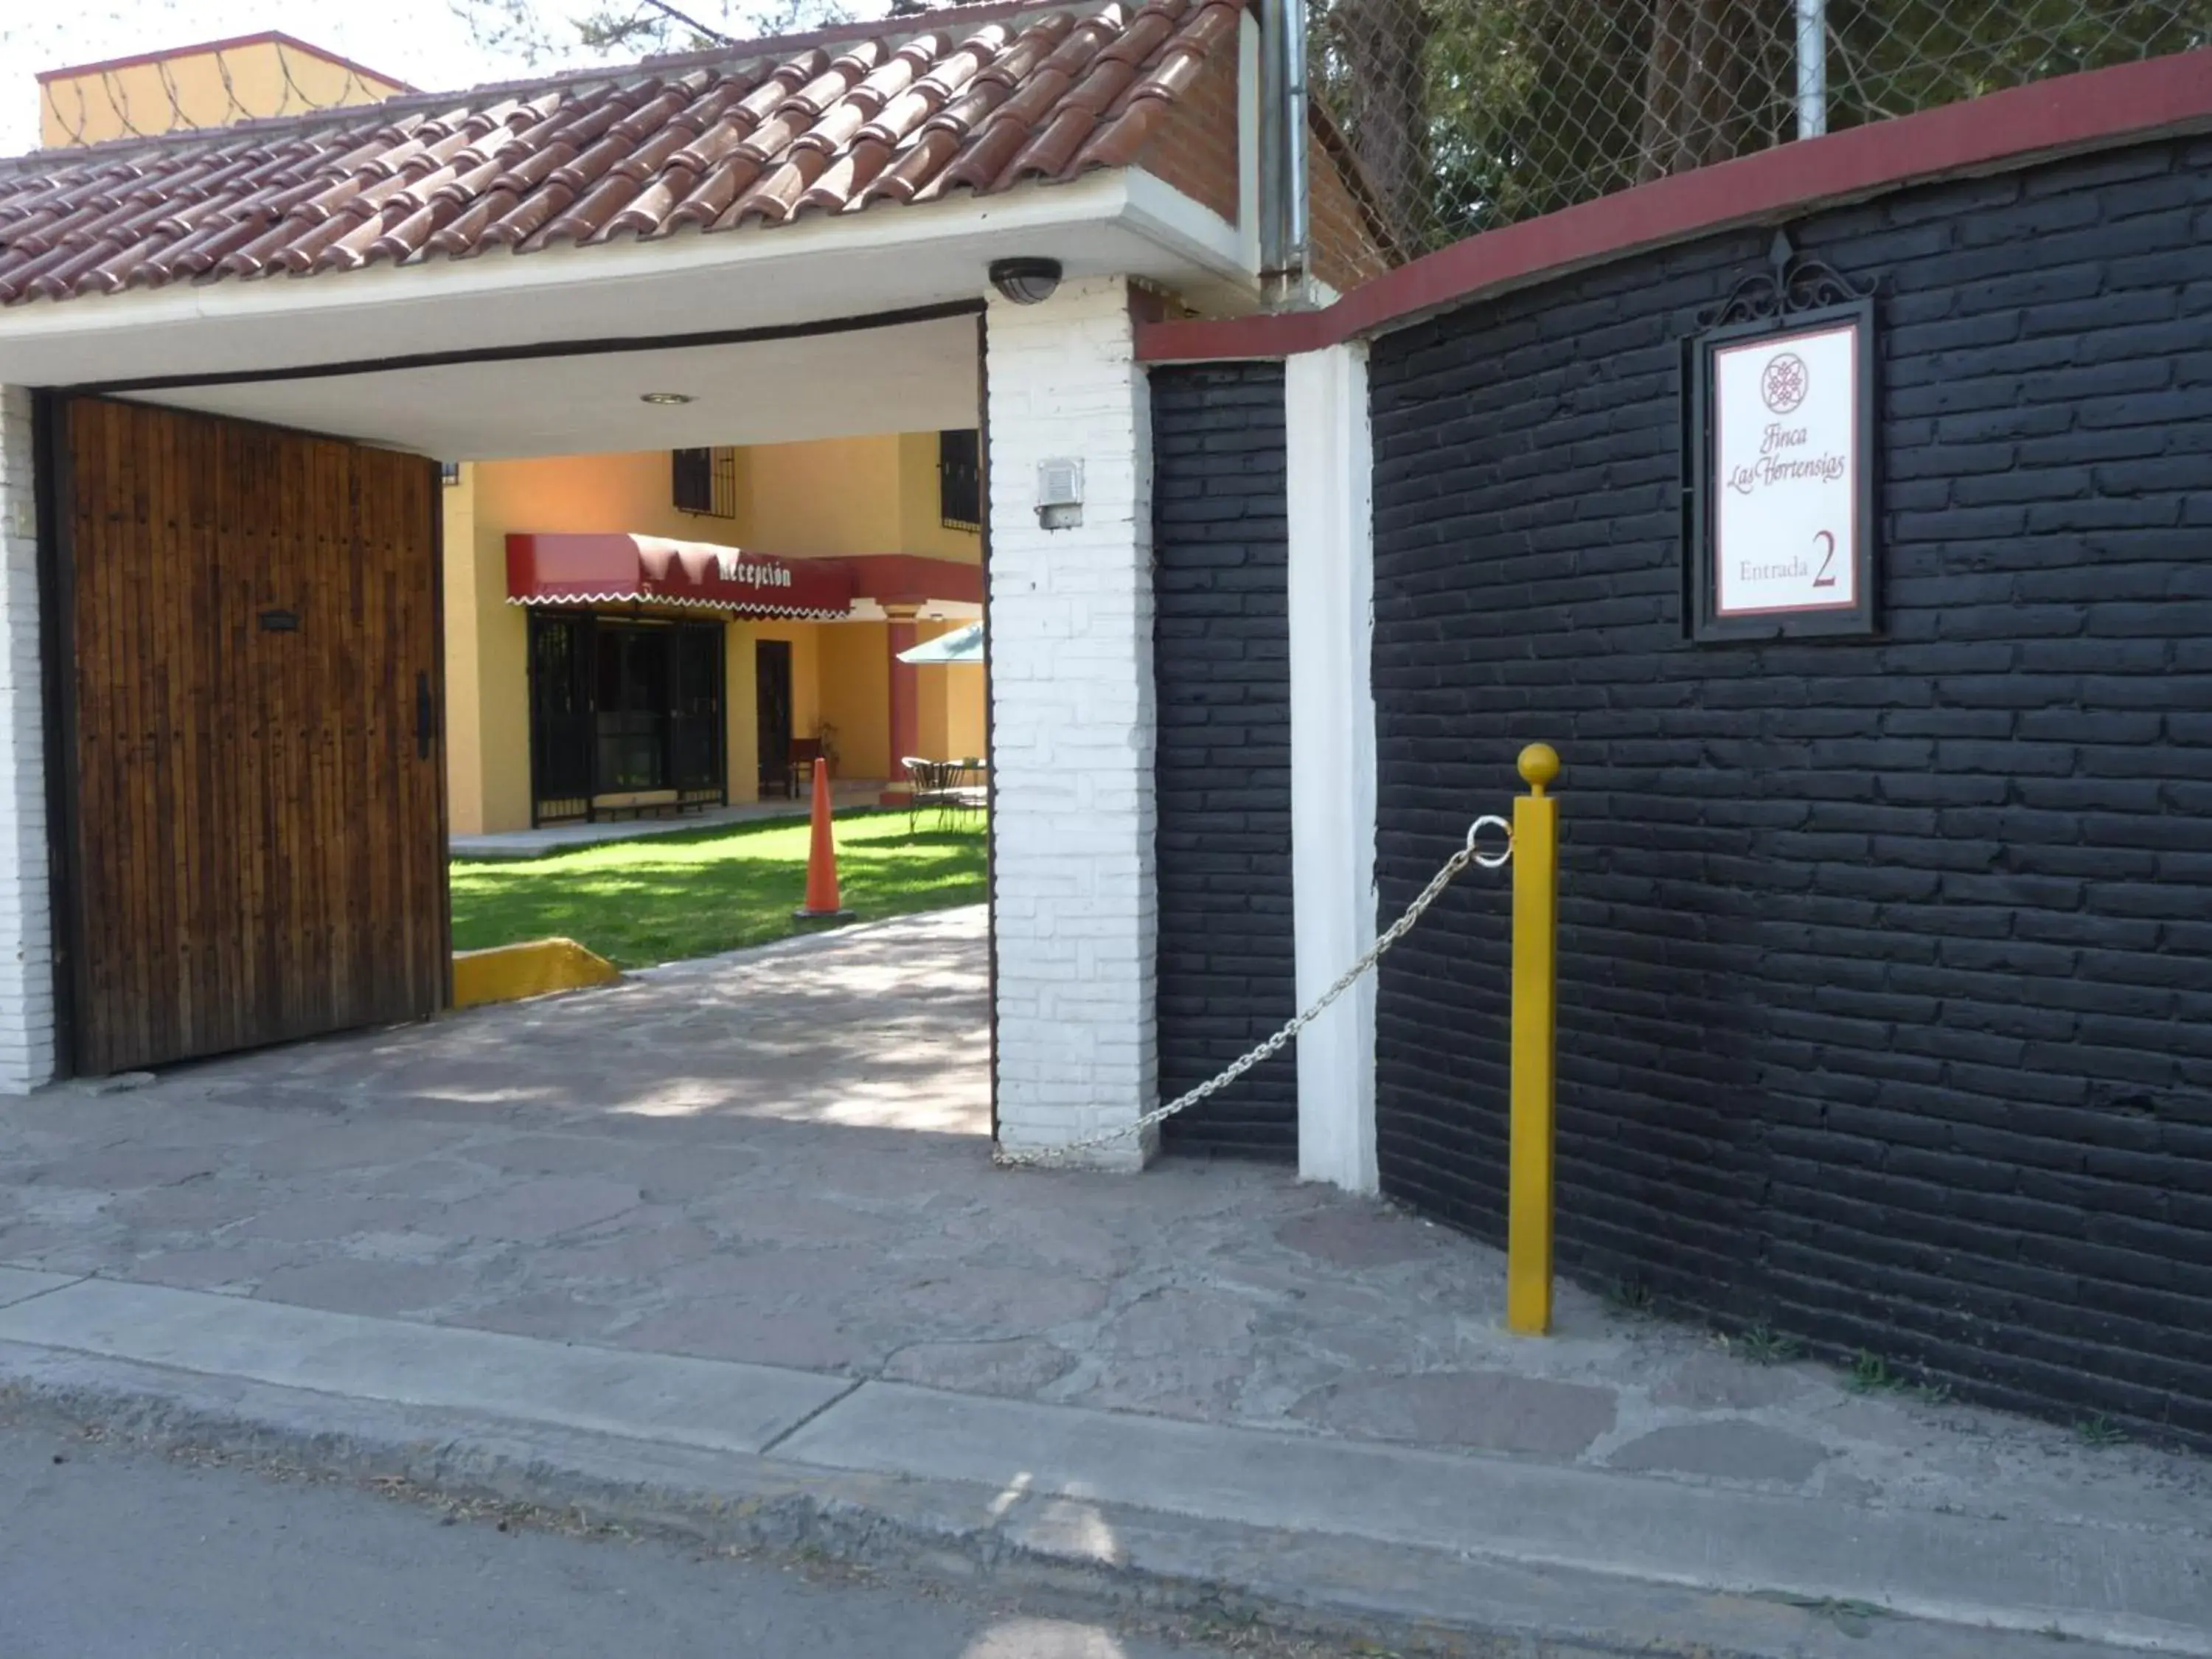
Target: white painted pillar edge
(26, 946)
(1330, 454)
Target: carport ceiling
(910, 377)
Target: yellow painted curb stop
(508, 972)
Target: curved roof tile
(905, 110)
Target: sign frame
(1703, 620)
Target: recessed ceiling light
(664, 397)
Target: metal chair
(929, 783)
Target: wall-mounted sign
(1782, 527)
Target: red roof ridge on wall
(2094, 109)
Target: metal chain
(1047, 1157)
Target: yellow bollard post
(1536, 993)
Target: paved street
(780, 1158)
(742, 1210)
(117, 1554)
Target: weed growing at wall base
(2099, 1431)
(1631, 1299)
(1871, 1374)
(1764, 1345)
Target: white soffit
(911, 377)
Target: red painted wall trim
(2128, 103)
(911, 578)
(266, 38)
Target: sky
(421, 42)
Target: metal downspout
(1284, 231)
(1812, 68)
(1298, 231)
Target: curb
(1403, 1600)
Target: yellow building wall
(503, 661)
(196, 89)
(743, 695)
(834, 495)
(463, 663)
(922, 526)
(856, 696)
(967, 725)
(628, 493)
(839, 496)
(487, 639)
(951, 697)
(930, 724)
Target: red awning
(545, 568)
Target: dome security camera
(1025, 281)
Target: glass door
(633, 682)
(561, 740)
(772, 716)
(695, 733)
(624, 707)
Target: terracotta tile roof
(908, 111)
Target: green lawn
(693, 893)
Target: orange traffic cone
(821, 858)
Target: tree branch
(691, 23)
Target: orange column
(906, 705)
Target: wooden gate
(254, 810)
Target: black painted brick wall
(1886, 972)
(1221, 650)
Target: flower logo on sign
(1785, 382)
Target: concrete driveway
(781, 1156)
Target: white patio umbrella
(961, 645)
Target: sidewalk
(721, 1246)
(1385, 1540)
(848, 796)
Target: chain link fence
(1462, 115)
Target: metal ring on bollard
(1490, 860)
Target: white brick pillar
(26, 954)
(1072, 724)
(1330, 456)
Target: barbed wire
(162, 95)
(1462, 115)
(263, 79)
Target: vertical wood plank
(259, 851)
(129, 460)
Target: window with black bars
(705, 481)
(960, 479)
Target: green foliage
(1519, 107)
(1854, 1617)
(541, 34)
(658, 898)
(1762, 1345)
(2099, 1431)
(1870, 1374)
(1631, 1299)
